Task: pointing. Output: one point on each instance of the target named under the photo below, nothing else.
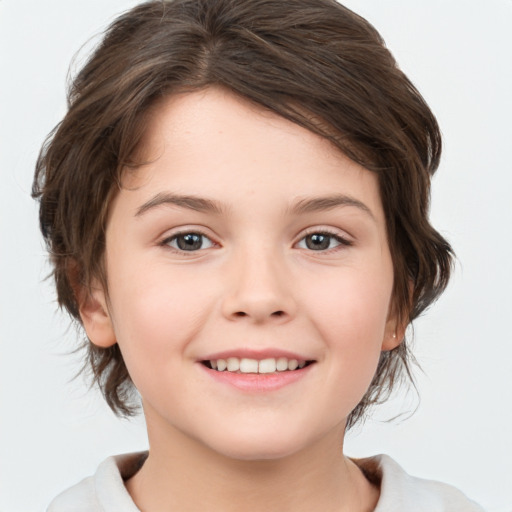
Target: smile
(262, 366)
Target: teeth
(282, 364)
(233, 364)
(267, 366)
(293, 364)
(246, 365)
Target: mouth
(256, 366)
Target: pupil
(317, 241)
(189, 242)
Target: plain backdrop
(53, 431)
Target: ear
(394, 333)
(95, 315)
(396, 325)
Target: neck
(184, 474)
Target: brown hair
(313, 62)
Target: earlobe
(393, 336)
(95, 316)
(397, 323)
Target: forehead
(217, 144)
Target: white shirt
(399, 492)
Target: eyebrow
(195, 203)
(318, 204)
(203, 205)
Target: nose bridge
(260, 289)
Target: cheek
(155, 315)
(155, 298)
(351, 316)
(353, 305)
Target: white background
(459, 53)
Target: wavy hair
(313, 62)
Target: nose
(260, 290)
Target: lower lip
(258, 382)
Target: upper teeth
(245, 365)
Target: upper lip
(258, 354)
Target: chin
(259, 446)
(257, 453)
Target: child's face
(246, 192)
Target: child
(236, 208)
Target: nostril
(242, 314)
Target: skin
(253, 284)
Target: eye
(322, 241)
(188, 242)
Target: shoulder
(104, 491)
(80, 497)
(400, 491)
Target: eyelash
(167, 241)
(342, 241)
